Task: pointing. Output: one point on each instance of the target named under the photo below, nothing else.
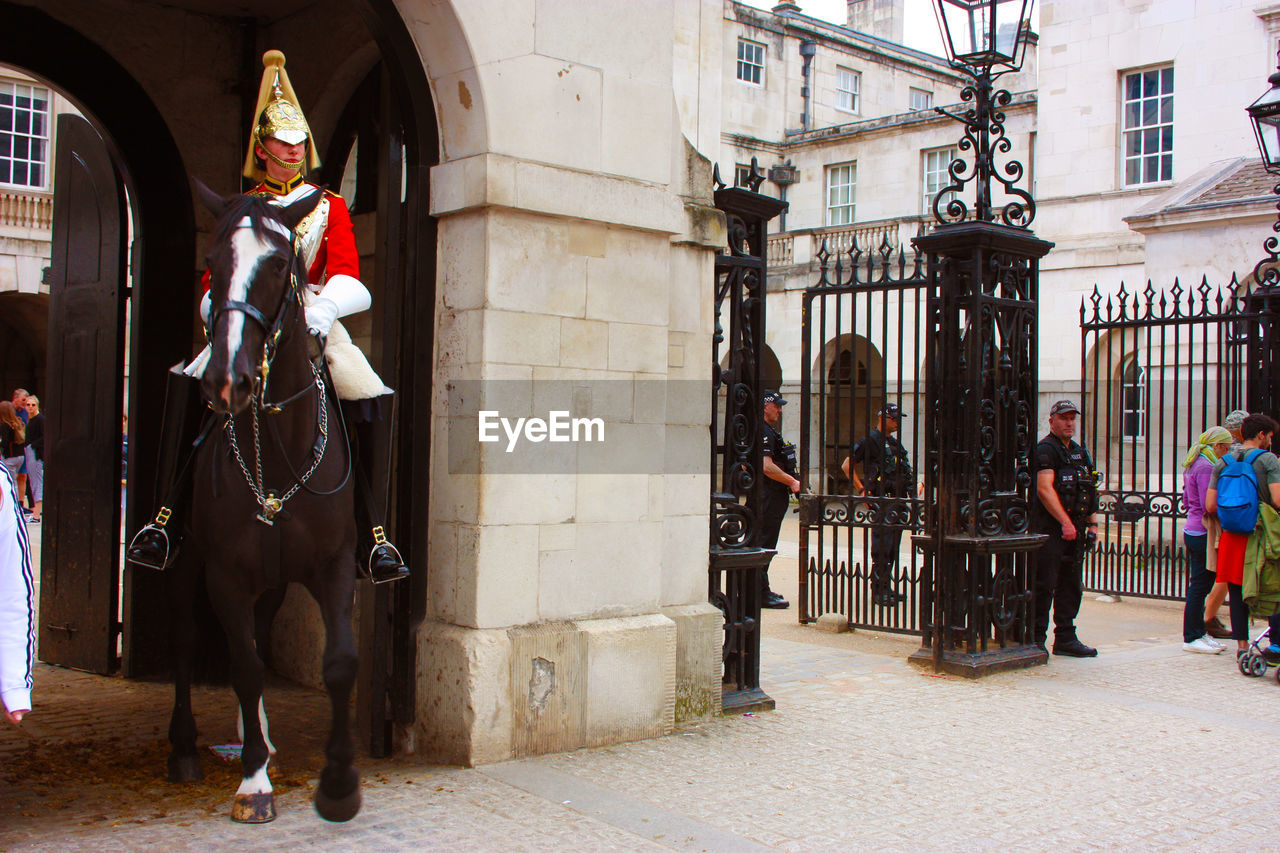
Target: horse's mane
(257, 208)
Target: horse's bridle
(271, 501)
(274, 328)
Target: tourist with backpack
(1240, 483)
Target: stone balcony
(26, 214)
(801, 247)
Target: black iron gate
(862, 344)
(1158, 368)
(735, 558)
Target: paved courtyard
(1135, 750)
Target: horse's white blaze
(247, 252)
(258, 783)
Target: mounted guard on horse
(280, 151)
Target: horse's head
(251, 290)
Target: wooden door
(79, 576)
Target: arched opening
(846, 402)
(165, 109)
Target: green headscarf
(1204, 445)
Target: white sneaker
(1211, 641)
(1202, 645)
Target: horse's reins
(269, 500)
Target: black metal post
(736, 562)
(981, 372)
(978, 612)
(1263, 300)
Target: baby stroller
(1261, 652)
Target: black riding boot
(371, 442)
(155, 544)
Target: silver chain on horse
(270, 502)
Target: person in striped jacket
(17, 604)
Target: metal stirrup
(162, 519)
(380, 541)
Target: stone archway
(167, 110)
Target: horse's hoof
(339, 810)
(185, 768)
(254, 808)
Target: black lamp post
(978, 604)
(984, 39)
(1262, 301)
(1265, 115)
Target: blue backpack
(1238, 494)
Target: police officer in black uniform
(888, 475)
(1066, 500)
(779, 484)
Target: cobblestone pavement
(1128, 751)
(1134, 750)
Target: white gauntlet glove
(321, 314)
(342, 296)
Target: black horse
(272, 498)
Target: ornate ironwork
(862, 345)
(984, 135)
(1266, 273)
(1181, 358)
(885, 264)
(736, 560)
(981, 375)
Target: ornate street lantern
(1265, 115)
(984, 39)
(984, 34)
(1262, 299)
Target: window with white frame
(742, 175)
(919, 99)
(841, 193)
(751, 62)
(848, 84)
(1133, 399)
(24, 135)
(1147, 122)
(933, 167)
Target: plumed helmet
(279, 116)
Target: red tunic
(326, 239)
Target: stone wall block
(699, 635)
(630, 284)
(631, 40)
(610, 573)
(613, 497)
(531, 268)
(505, 579)
(635, 348)
(529, 498)
(548, 688)
(463, 694)
(564, 129)
(639, 120)
(584, 343)
(519, 338)
(684, 567)
(631, 676)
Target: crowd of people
(22, 449)
(1227, 539)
